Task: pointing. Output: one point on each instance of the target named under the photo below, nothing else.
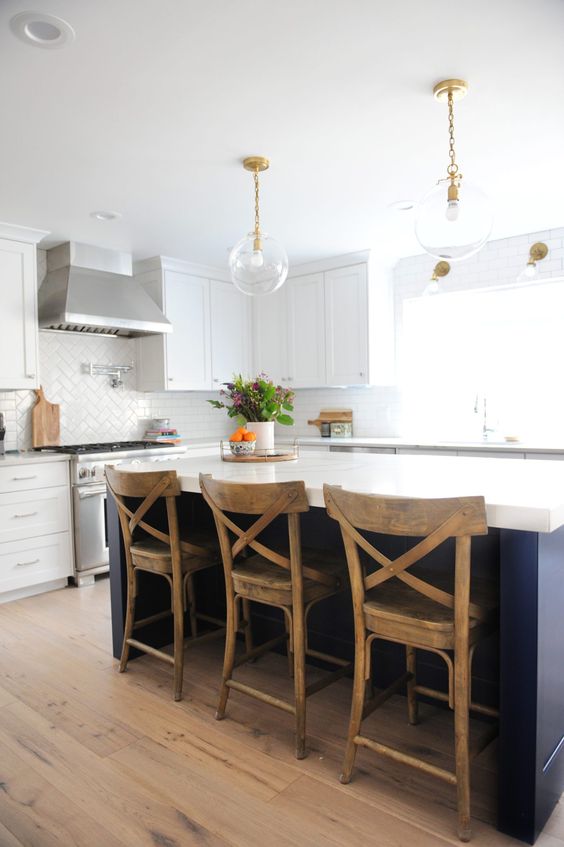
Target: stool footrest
(260, 650)
(261, 695)
(326, 680)
(146, 648)
(405, 758)
(152, 619)
(325, 657)
(384, 695)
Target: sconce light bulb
(452, 210)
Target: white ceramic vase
(264, 431)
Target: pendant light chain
(452, 169)
(257, 220)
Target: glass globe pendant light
(258, 263)
(454, 219)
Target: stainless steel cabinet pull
(20, 478)
(84, 495)
(33, 562)
(26, 515)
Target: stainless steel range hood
(91, 290)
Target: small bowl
(242, 448)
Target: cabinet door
(18, 315)
(188, 352)
(306, 331)
(230, 332)
(346, 325)
(270, 336)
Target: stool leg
(461, 741)
(289, 644)
(298, 629)
(129, 617)
(412, 710)
(248, 632)
(356, 709)
(191, 596)
(229, 655)
(178, 613)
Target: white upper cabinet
(211, 329)
(188, 351)
(230, 332)
(346, 326)
(18, 315)
(306, 331)
(333, 326)
(270, 336)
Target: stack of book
(165, 435)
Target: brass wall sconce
(537, 252)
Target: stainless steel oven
(89, 496)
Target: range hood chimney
(90, 290)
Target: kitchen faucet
(485, 428)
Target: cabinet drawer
(34, 560)
(31, 513)
(24, 477)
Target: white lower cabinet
(35, 527)
(33, 561)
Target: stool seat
(153, 555)
(395, 607)
(275, 584)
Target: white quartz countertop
(525, 495)
(31, 458)
(492, 444)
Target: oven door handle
(87, 492)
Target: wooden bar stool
(165, 554)
(397, 605)
(293, 582)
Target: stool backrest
(269, 500)
(147, 486)
(435, 520)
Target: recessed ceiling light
(103, 215)
(41, 30)
(402, 205)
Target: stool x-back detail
(163, 554)
(293, 583)
(395, 604)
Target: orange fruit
(249, 436)
(236, 436)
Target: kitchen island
(524, 547)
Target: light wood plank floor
(92, 758)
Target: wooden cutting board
(333, 416)
(45, 422)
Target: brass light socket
(441, 269)
(537, 252)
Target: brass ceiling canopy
(256, 163)
(457, 87)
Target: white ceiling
(152, 107)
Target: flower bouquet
(256, 400)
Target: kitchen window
(505, 344)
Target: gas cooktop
(106, 447)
